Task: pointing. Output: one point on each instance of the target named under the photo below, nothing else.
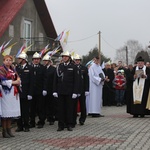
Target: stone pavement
(116, 131)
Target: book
(139, 73)
(101, 76)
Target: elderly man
(108, 91)
(141, 80)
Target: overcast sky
(117, 20)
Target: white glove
(44, 93)
(79, 95)
(87, 93)
(55, 94)
(74, 96)
(29, 97)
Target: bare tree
(133, 47)
(120, 55)
(147, 48)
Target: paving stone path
(116, 131)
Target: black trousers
(82, 102)
(38, 108)
(51, 107)
(65, 110)
(23, 121)
(108, 96)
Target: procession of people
(36, 92)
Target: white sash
(138, 88)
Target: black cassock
(108, 91)
(138, 109)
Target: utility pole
(126, 55)
(99, 49)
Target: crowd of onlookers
(114, 89)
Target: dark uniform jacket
(66, 79)
(26, 75)
(38, 79)
(83, 79)
(49, 78)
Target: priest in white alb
(96, 77)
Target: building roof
(45, 18)
(10, 8)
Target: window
(27, 32)
(11, 31)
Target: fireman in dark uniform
(38, 102)
(25, 72)
(83, 90)
(65, 88)
(48, 90)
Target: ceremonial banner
(8, 50)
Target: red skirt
(78, 107)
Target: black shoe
(101, 115)
(89, 114)
(142, 116)
(51, 123)
(69, 129)
(31, 125)
(26, 130)
(19, 129)
(73, 126)
(135, 116)
(60, 129)
(95, 115)
(81, 123)
(118, 104)
(40, 126)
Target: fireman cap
(36, 55)
(23, 55)
(77, 57)
(66, 53)
(46, 57)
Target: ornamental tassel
(16, 92)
